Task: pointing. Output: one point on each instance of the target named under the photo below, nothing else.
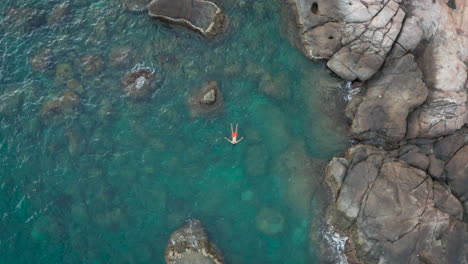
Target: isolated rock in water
(139, 84)
(207, 101)
(269, 221)
(203, 16)
(209, 97)
(42, 60)
(390, 96)
(21, 21)
(63, 72)
(190, 245)
(136, 5)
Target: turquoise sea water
(109, 180)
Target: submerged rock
(63, 72)
(90, 64)
(11, 102)
(139, 84)
(21, 21)
(200, 15)
(121, 56)
(136, 5)
(60, 105)
(42, 61)
(189, 245)
(207, 101)
(270, 221)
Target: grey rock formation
(360, 36)
(355, 35)
(394, 212)
(388, 99)
(457, 173)
(200, 15)
(190, 245)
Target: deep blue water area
(106, 179)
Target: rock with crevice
(442, 58)
(388, 99)
(355, 35)
(457, 173)
(189, 245)
(393, 212)
(200, 15)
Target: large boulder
(445, 147)
(393, 212)
(190, 245)
(200, 15)
(388, 99)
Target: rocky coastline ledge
(401, 193)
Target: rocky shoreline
(400, 194)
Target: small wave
(348, 90)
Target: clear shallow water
(109, 181)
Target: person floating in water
(234, 136)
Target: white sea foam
(336, 244)
(349, 91)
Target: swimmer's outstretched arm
(240, 139)
(228, 140)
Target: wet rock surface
(200, 15)
(190, 245)
(387, 100)
(361, 37)
(405, 204)
(59, 105)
